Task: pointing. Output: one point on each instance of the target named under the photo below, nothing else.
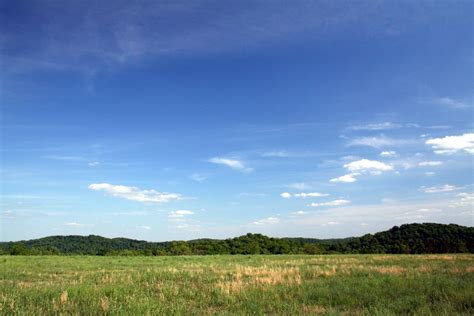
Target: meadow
(224, 284)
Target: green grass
(333, 285)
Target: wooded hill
(409, 239)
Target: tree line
(404, 239)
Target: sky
(176, 120)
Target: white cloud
(135, 194)
(429, 210)
(452, 144)
(189, 227)
(388, 154)
(452, 103)
(310, 194)
(380, 216)
(299, 213)
(144, 227)
(347, 178)
(429, 173)
(285, 195)
(198, 177)
(331, 203)
(465, 199)
(430, 163)
(77, 225)
(93, 163)
(439, 189)
(375, 126)
(231, 163)
(267, 221)
(299, 186)
(277, 153)
(361, 166)
(378, 141)
(365, 164)
(180, 213)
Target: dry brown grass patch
(390, 270)
(314, 309)
(247, 276)
(104, 304)
(63, 297)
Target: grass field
(339, 284)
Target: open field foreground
(287, 284)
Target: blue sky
(166, 120)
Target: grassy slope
(358, 284)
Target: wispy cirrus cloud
(452, 103)
(430, 163)
(180, 213)
(267, 221)
(198, 177)
(135, 194)
(340, 202)
(298, 213)
(77, 225)
(439, 189)
(388, 154)
(231, 163)
(301, 186)
(379, 141)
(375, 126)
(141, 30)
(287, 195)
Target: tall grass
(340, 284)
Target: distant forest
(405, 239)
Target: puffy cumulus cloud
(288, 195)
(367, 165)
(347, 178)
(285, 195)
(231, 163)
(267, 221)
(135, 194)
(452, 144)
(331, 203)
(362, 166)
(430, 163)
(388, 154)
(180, 213)
(439, 189)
